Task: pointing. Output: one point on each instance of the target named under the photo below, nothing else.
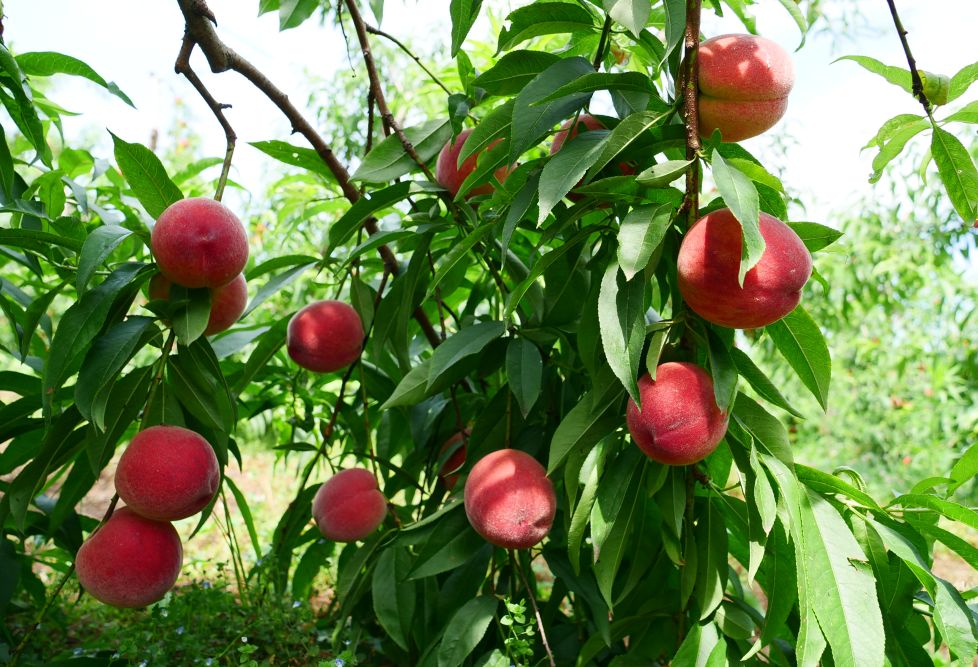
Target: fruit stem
(918, 84)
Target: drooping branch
(182, 66)
(918, 84)
(689, 82)
(200, 29)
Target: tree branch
(380, 33)
(690, 92)
(918, 84)
(200, 23)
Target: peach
(199, 242)
(709, 263)
(449, 471)
(349, 506)
(167, 473)
(744, 82)
(227, 301)
(325, 336)
(679, 422)
(509, 499)
(450, 175)
(131, 561)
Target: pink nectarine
(450, 174)
(679, 422)
(325, 336)
(199, 242)
(349, 506)
(744, 81)
(709, 264)
(509, 499)
(167, 473)
(131, 561)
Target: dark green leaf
(146, 176)
(388, 159)
(46, 63)
(297, 156)
(465, 630)
(544, 18)
(463, 13)
(759, 381)
(513, 71)
(467, 341)
(621, 316)
(740, 195)
(524, 370)
(641, 232)
(96, 249)
(589, 83)
(958, 173)
(815, 236)
(800, 341)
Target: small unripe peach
(744, 81)
(325, 336)
(679, 422)
(709, 264)
(349, 506)
(227, 302)
(509, 499)
(199, 242)
(450, 175)
(167, 473)
(131, 561)
(449, 471)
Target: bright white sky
(834, 109)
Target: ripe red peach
(167, 473)
(199, 242)
(449, 471)
(679, 422)
(450, 175)
(709, 263)
(349, 506)
(227, 302)
(325, 336)
(131, 561)
(509, 499)
(744, 82)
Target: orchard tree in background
(523, 352)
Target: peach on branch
(325, 336)
(744, 81)
(450, 174)
(167, 473)
(199, 242)
(679, 422)
(349, 506)
(509, 499)
(227, 301)
(709, 264)
(131, 561)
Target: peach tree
(517, 338)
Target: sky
(833, 111)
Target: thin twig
(380, 33)
(222, 58)
(385, 112)
(536, 610)
(182, 66)
(918, 84)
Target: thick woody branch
(689, 81)
(378, 90)
(200, 23)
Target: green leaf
(388, 159)
(894, 146)
(465, 630)
(544, 18)
(510, 74)
(621, 317)
(698, 647)
(190, 320)
(268, 345)
(766, 429)
(962, 80)
(566, 168)
(608, 558)
(815, 236)
(297, 156)
(845, 601)
(299, 265)
(589, 476)
(245, 511)
(800, 341)
(531, 121)
(411, 389)
(47, 63)
(40, 242)
(146, 176)
(96, 249)
(494, 126)
(711, 569)
(675, 11)
(623, 134)
(964, 469)
(368, 205)
(740, 195)
(640, 234)
(958, 173)
(108, 355)
(524, 370)
(466, 342)
(663, 173)
(633, 14)
(595, 416)
(21, 106)
(590, 83)
(463, 13)
(292, 13)
(756, 378)
(799, 18)
(456, 254)
(895, 75)
(888, 128)
(723, 371)
(394, 596)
